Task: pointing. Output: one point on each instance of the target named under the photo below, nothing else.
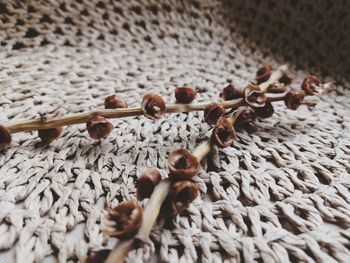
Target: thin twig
(150, 214)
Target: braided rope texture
(279, 194)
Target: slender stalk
(79, 118)
(150, 214)
(276, 75)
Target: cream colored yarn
(280, 194)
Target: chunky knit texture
(279, 194)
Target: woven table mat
(279, 194)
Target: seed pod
(264, 112)
(98, 127)
(263, 73)
(254, 96)
(213, 112)
(115, 102)
(147, 181)
(153, 106)
(311, 85)
(246, 119)
(183, 165)
(223, 134)
(5, 137)
(123, 221)
(286, 78)
(47, 136)
(276, 88)
(97, 256)
(231, 92)
(183, 193)
(185, 94)
(294, 99)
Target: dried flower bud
(147, 181)
(263, 73)
(246, 119)
(311, 85)
(97, 256)
(153, 106)
(124, 220)
(183, 165)
(294, 99)
(115, 102)
(181, 195)
(286, 78)
(185, 94)
(98, 127)
(276, 88)
(213, 112)
(5, 137)
(231, 92)
(254, 96)
(47, 136)
(264, 112)
(223, 133)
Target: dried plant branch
(150, 214)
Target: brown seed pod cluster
(223, 133)
(147, 181)
(153, 106)
(213, 112)
(263, 73)
(47, 136)
(124, 220)
(115, 102)
(98, 127)
(5, 137)
(185, 94)
(231, 92)
(183, 165)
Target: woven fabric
(279, 194)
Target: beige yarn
(280, 194)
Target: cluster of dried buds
(132, 224)
(129, 222)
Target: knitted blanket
(279, 194)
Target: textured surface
(280, 194)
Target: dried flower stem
(161, 191)
(275, 76)
(79, 118)
(150, 214)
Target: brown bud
(180, 196)
(185, 94)
(254, 96)
(5, 137)
(286, 78)
(276, 88)
(311, 85)
(98, 127)
(183, 193)
(213, 112)
(124, 220)
(246, 119)
(97, 256)
(264, 112)
(223, 134)
(147, 181)
(263, 73)
(294, 99)
(153, 106)
(183, 165)
(115, 102)
(47, 136)
(231, 92)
